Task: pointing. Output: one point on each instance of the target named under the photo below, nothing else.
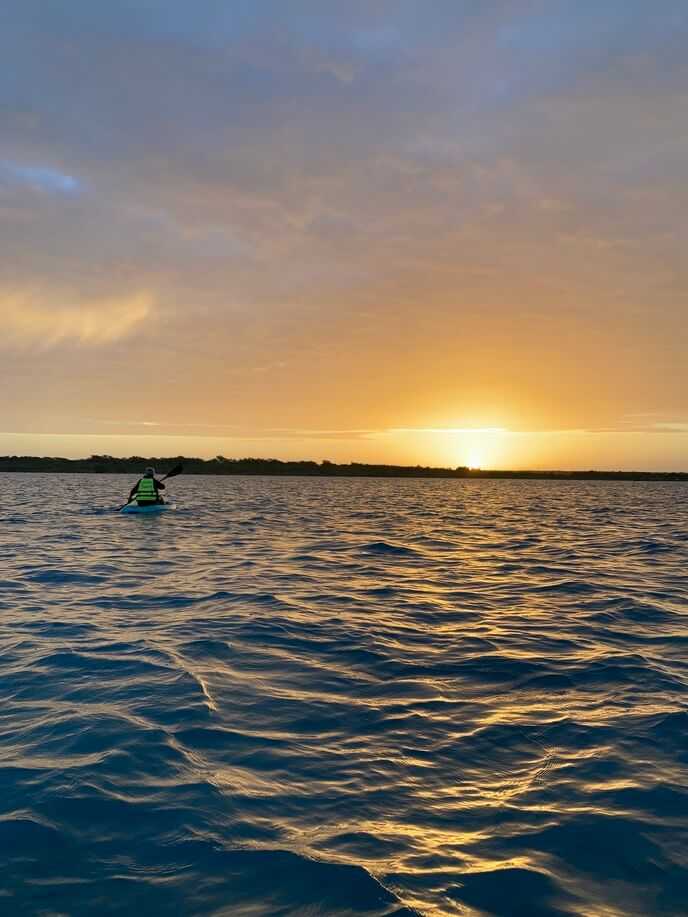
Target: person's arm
(133, 490)
(158, 484)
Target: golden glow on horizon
(538, 450)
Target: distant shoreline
(105, 464)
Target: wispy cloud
(238, 432)
(448, 430)
(32, 318)
(38, 178)
(673, 427)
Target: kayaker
(147, 489)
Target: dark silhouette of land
(107, 464)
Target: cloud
(38, 178)
(31, 318)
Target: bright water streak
(318, 696)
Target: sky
(417, 231)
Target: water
(339, 697)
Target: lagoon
(340, 696)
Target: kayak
(153, 508)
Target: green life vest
(146, 490)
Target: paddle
(170, 474)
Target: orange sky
(346, 231)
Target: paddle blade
(175, 471)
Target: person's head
(149, 472)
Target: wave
(380, 698)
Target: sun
(475, 459)
(466, 447)
(480, 447)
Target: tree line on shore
(134, 465)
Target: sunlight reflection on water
(344, 696)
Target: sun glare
(475, 459)
(479, 448)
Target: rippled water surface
(339, 697)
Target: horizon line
(325, 463)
